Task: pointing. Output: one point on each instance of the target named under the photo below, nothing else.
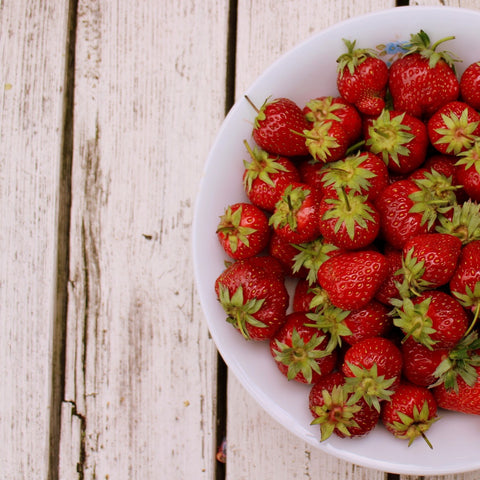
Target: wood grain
(140, 369)
(33, 43)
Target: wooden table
(109, 109)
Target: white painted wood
(141, 368)
(32, 73)
(257, 447)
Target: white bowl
(303, 73)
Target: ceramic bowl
(303, 73)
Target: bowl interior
(303, 73)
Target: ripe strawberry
(372, 320)
(453, 128)
(285, 253)
(388, 290)
(400, 139)
(466, 399)
(423, 80)
(266, 176)
(364, 173)
(309, 298)
(326, 141)
(373, 369)
(429, 260)
(300, 351)
(254, 298)
(295, 217)
(470, 85)
(275, 124)
(411, 411)
(349, 221)
(352, 279)
(465, 282)
(434, 319)
(243, 230)
(464, 222)
(323, 109)
(468, 171)
(362, 79)
(330, 406)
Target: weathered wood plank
(141, 369)
(257, 447)
(33, 40)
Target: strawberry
(266, 176)
(300, 351)
(470, 85)
(330, 406)
(308, 297)
(285, 252)
(362, 79)
(411, 411)
(468, 171)
(464, 222)
(372, 320)
(243, 230)
(423, 80)
(324, 109)
(434, 319)
(326, 141)
(373, 368)
(295, 217)
(400, 139)
(453, 128)
(388, 290)
(429, 261)
(254, 298)
(349, 221)
(465, 399)
(352, 279)
(275, 124)
(364, 173)
(465, 281)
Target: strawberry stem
(438, 42)
(252, 104)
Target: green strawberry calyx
(240, 312)
(388, 137)
(412, 271)
(470, 158)
(288, 206)
(410, 428)
(318, 141)
(420, 43)
(335, 413)
(261, 166)
(321, 109)
(464, 222)
(353, 57)
(300, 357)
(367, 384)
(230, 226)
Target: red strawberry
(266, 176)
(330, 405)
(434, 319)
(285, 253)
(324, 109)
(275, 124)
(465, 282)
(388, 290)
(362, 79)
(466, 399)
(295, 217)
(300, 351)
(468, 171)
(243, 230)
(363, 172)
(410, 412)
(326, 141)
(399, 138)
(470, 85)
(453, 128)
(373, 368)
(423, 80)
(372, 320)
(429, 260)
(254, 299)
(309, 298)
(349, 221)
(352, 279)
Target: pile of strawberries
(369, 201)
